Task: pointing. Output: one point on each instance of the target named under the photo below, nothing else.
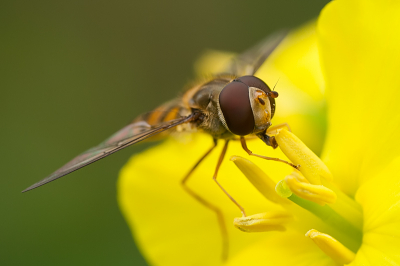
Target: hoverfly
(231, 105)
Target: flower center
(308, 196)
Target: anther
(331, 247)
(300, 186)
(259, 179)
(263, 222)
(311, 166)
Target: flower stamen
(344, 230)
(331, 247)
(308, 194)
(259, 179)
(263, 222)
(300, 186)
(313, 169)
(299, 154)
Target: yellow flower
(359, 54)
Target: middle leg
(221, 157)
(209, 205)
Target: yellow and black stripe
(164, 113)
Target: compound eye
(235, 105)
(253, 81)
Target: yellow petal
(287, 249)
(294, 68)
(380, 198)
(168, 224)
(359, 44)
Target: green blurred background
(74, 72)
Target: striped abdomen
(166, 112)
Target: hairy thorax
(205, 100)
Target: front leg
(269, 140)
(244, 146)
(268, 135)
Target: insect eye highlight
(235, 106)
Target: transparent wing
(251, 60)
(127, 136)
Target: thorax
(204, 97)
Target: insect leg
(244, 146)
(221, 157)
(220, 217)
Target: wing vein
(105, 149)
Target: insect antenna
(275, 84)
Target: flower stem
(345, 232)
(346, 206)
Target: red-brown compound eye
(252, 81)
(235, 105)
